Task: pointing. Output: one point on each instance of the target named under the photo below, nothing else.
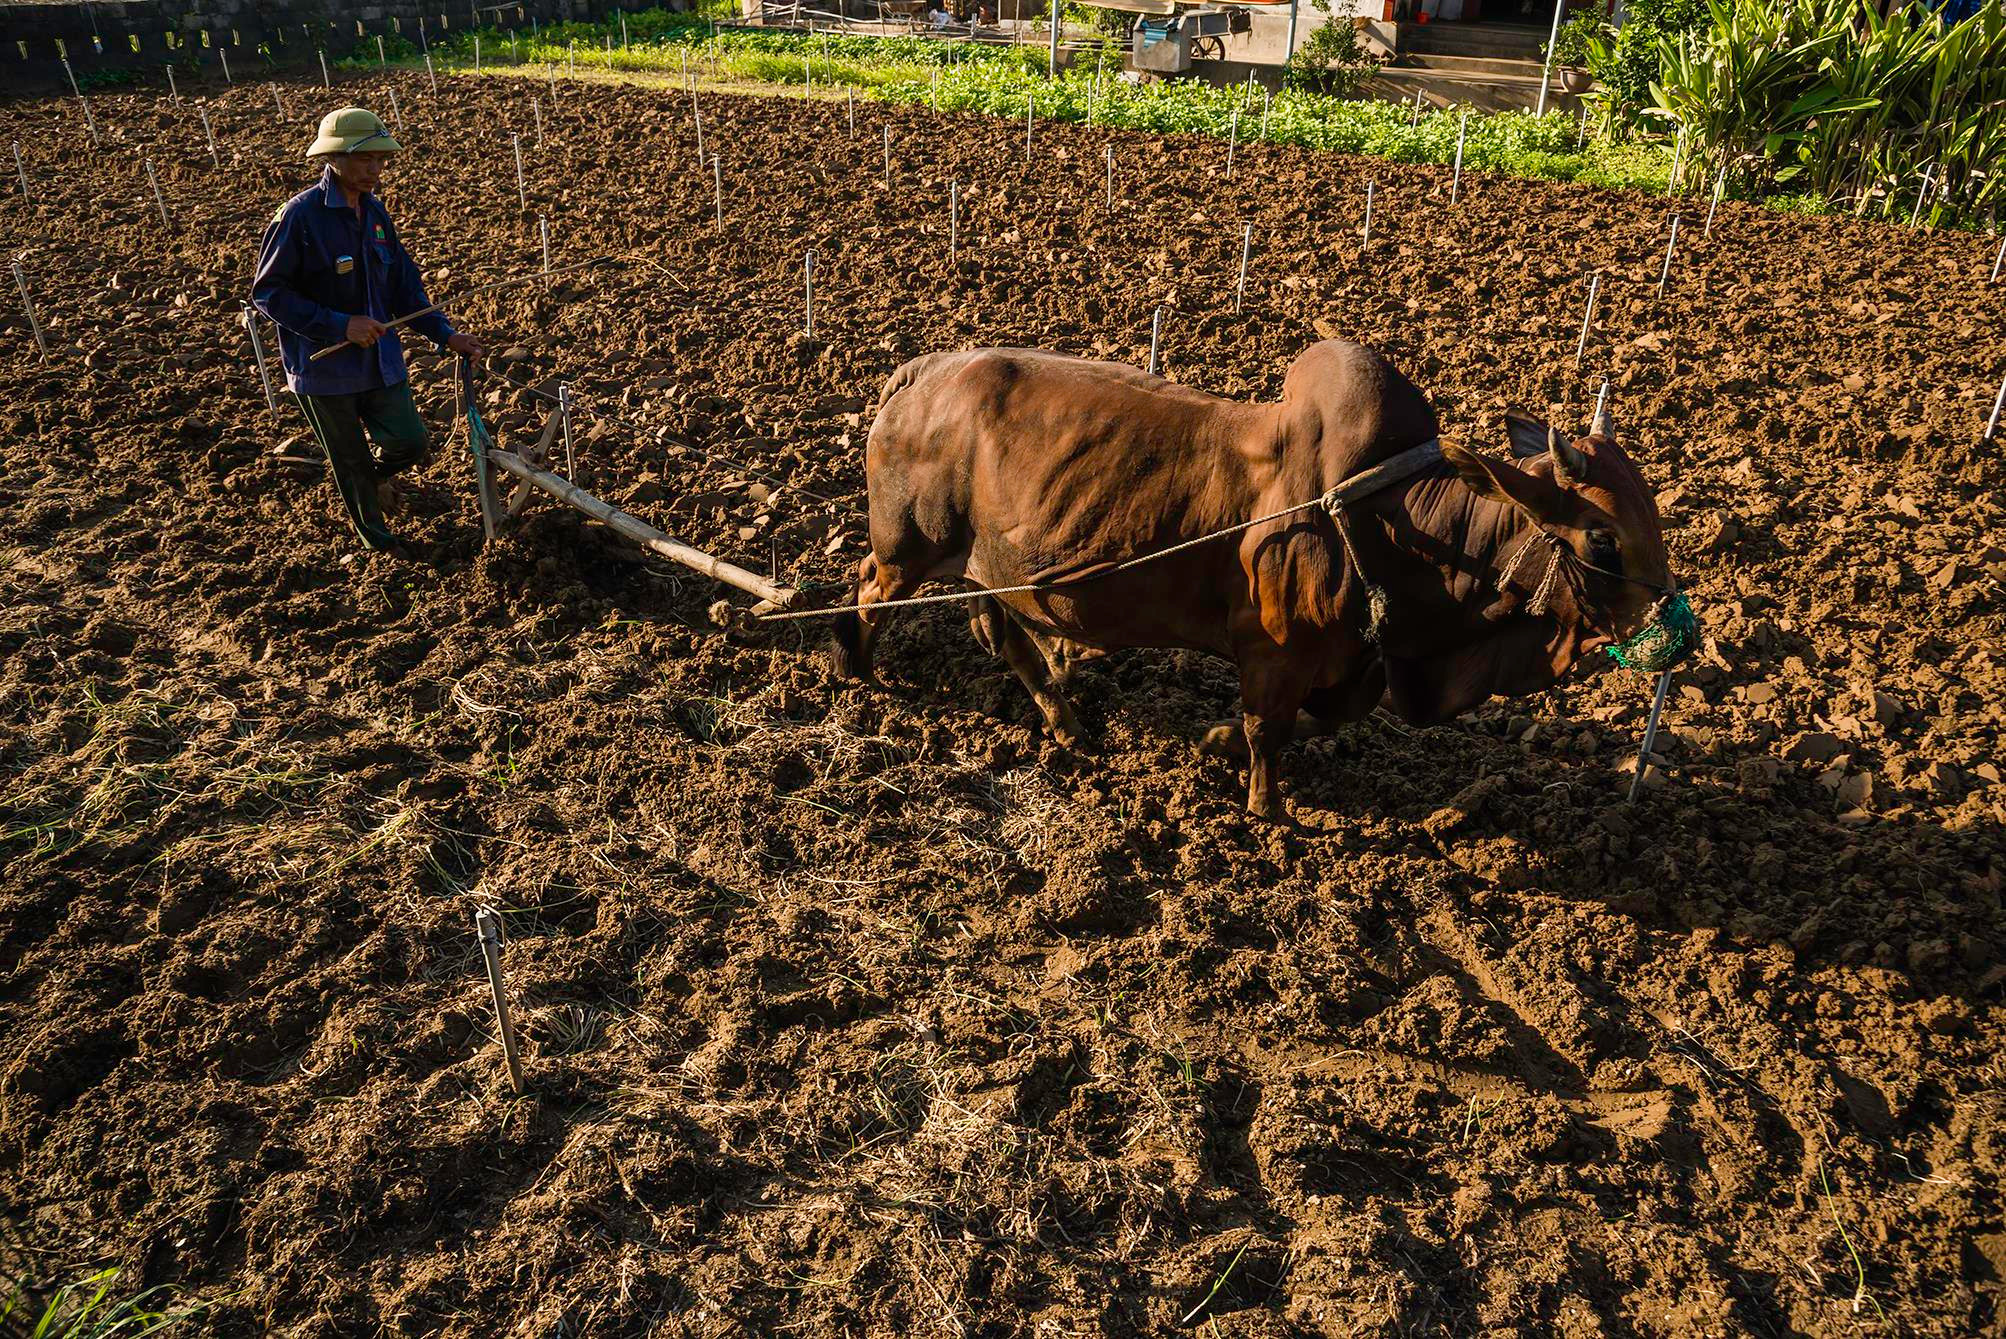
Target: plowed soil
(860, 1010)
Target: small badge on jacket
(344, 264)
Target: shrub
(1332, 60)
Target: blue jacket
(320, 264)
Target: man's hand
(365, 330)
(467, 347)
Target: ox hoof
(1271, 810)
(1065, 738)
(1225, 741)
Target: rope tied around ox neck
(1536, 605)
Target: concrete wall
(191, 35)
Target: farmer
(332, 274)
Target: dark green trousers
(348, 426)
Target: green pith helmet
(353, 130)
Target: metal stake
(1670, 246)
(1030, 103)
(381, 62)
(888, 156)
(172, 91)
(1246, 249)
(536, 110)
(1922, 196)
(278, 105)
(395, 110)
(1998, 261)
(325, 82)
(1650, 735)
(489, 925)
(521, 190)
(1992, 424)
(431, 74)
(1719, 189)
(808, 283)
(1155, 334)
(1370, 187)
(1456, 182)
(1588, 318)
(696, 119)
(28, 305)
(477, 53)
(21, 169)
(1267, 103)
(157, 199)
(717, 178)
(543, 231)
(953, 220)
(224, 56)
(208, 134)
(249, 316)
(852, 91)
(1110, 178)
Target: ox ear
(1500, 482)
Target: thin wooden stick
(489, 926)
(647, 536)
(28, 305)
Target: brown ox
(1013, 466)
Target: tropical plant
(1900, 114)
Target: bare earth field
(861, 1011)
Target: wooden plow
(491, 463)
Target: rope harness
(1366, 482)
(1669, 634)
